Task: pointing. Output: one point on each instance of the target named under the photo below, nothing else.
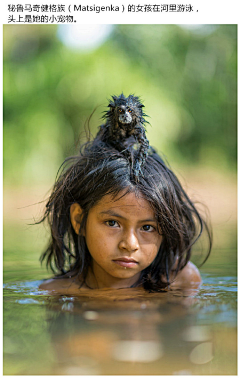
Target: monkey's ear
(76, 216)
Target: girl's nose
(129, 242)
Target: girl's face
(122, 238)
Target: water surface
(121, 331)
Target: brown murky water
(121, 332)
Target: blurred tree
(198, 74)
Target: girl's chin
(123, 278)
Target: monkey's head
(125, 110)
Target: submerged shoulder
(61, 285)
(189, 276)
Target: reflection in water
(124, 336)
(124, 332)
(202, 353)
(137, 351)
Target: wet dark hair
(100, 170)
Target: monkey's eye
(129, 110)
(120, 110)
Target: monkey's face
(125, 111)
(124, 114)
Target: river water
(122, 332)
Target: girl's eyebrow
(112, 213)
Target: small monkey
(124, 127)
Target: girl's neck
(96, 280)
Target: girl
(111, 230)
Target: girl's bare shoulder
(189, 276)
(68, 285)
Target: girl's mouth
(126, 262)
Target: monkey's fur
(124, 127)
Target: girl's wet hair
(100, 170)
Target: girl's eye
(148, 228)
(112, 223)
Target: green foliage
(186, 79)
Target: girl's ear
(76, 216)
